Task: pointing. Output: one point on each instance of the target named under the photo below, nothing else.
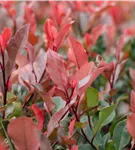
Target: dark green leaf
(120, 135)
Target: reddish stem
(4, 76)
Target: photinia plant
(67, 75)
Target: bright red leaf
(39, 116)
(72, 125)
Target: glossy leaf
(120, 135)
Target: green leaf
(59, 103)
(120, 135)
(13, 109)
(97, 139)
(110, 145)
(85, 147)
(105, 139)
(20, 91)
(103, 115)
(116, 122)
(103, 103)
(109, 118)
(91, 97)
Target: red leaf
(55, 120)
(55, 12)
(17, 43)
(40, 62)
(57, 70)
(85, 70)
(23, 133)
(26, 73)
(54, 39)
(71, 126)
(132, 101)
(131, 125)
(76, 53)
(51, 33)
(39, 116)
(5, 37)
(60, 36)
(120, 45)
(29, 17)
(88, 80)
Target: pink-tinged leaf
(120, 45)
(39, 116)
(85, 70)
(55, 12)
(17, 43)
(132, 75)
(56, 68)
(91, 39)
(5, 37)
(51, 32)
(29, 17)
(55, 120)
(132, 101)
(60, 36)
(107, 73)
(77, 53)
(130, 31)
(71, 126)
(23, 133)
(131, 125)
(26, 73)
(97, 31)
(88, 80)
(30, 51)
(40, 65)
(44, 141)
